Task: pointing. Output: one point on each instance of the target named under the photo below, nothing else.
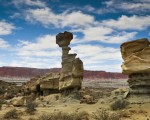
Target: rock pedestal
(71, 75)
(136, 56)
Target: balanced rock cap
(63, 39)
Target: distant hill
(24, 73)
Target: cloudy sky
(28, 29)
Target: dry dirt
(134, 111)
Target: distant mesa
(25, 73)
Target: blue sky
(28, 29)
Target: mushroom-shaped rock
(63, 39)
(130, 47)
(136, 55)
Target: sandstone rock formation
(136, 56)
(71, 75)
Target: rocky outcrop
(71, 75)
(136, 56)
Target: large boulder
(50, 81)
(18, 101)
(136, 55)
(63, 39)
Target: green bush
(31, 107)
(119, 104)
(12, 114)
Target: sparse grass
(65, 116)
(61, 116)
(105, 115)
(33, 119)
(3, 102)
(0, 106)
(31, 107)
(80, 116)
(45, 117)
(12, 114)
(119, 104)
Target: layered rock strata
(71, 75)
(136, 56)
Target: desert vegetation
(119, 104)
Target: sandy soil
(139, 109)
(132, 112)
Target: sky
(28, 30)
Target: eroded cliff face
(136, 56)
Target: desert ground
(68, 106)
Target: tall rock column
(136, 56)
(71, 75)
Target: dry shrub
(105, 115)
(61, 116)
(33, 119)
(0, 106)
(45, 117)
(80, 116)
(12, 114)
(31, 107)
(65, 116)
(119, 104)
(56, 116)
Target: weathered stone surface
(18, 101)
(32, 85)
(50, 81)
(71, 75)
(68, 81)
(136, 56)
(130, 47)
(63, 39)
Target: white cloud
(134, 6)
(4, 44)
(41, 43)
(6, 28)
(105, 35)
(133, 23)
(96, 51)
(105, 67)
(36, 63)
(43, 46)
(42, 53)
(76, 19)
(96, 57)
(37, 3)
(96, 32)
(47, 17)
